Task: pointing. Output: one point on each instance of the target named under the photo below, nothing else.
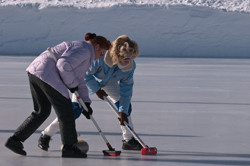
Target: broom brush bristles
(111, 153)
(148, 151)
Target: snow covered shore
(179, 30)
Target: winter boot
(131, 145)
(43, 142)
(15, 146)
(72, 151)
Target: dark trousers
(44, 96)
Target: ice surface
(195, 111)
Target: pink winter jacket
(74, 59)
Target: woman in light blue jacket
(110, 75)
(49, 84)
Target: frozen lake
(195, 111)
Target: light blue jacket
(100, 75)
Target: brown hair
(102, 41)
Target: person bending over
(49, 84)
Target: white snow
(173, 28)
(228, 5)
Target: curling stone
(82, 145)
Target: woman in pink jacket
(49, 84)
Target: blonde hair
(122, 47)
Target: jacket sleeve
(126, 91)
(92, 84)
(70, 59)
(83, 92)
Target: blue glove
(77, 109)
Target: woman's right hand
(100, 93)
(123, 117)
(72, 90)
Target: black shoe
(43, 142)
(131, 145)
(72, 151)
(15, 146)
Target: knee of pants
(66, 116)
(43, 112)
(129, 109)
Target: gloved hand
(100, 93)
(72, 90)
(77, 109)
(123, 117)
(90, 111)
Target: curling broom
(145, 150)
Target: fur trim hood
(109, 62)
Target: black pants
(43, 97)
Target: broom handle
(111, 104)
(84, 106)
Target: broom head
(148, 151)
(111, 153)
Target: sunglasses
(126, 58)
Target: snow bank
(226, 5)
(182, 30)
